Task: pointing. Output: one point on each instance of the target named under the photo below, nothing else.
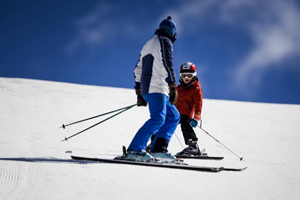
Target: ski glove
(173, 93)
(194, 123)
(140, 100)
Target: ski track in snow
(35, 164)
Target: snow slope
(35, 164)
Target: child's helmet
(188, 67)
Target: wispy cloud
(106, 22)
(275, 32)
(272, 26)
(92, 29)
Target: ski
(205, 157)
(151, 164)
(184, 166)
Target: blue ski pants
(164, 118)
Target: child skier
(189, 105)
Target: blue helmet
(168, 26)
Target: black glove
(173, 93)
(140, 100)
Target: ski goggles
(187, 75)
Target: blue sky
(244, 50)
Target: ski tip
(241, 169)
(234, 169)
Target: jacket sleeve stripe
(167, 56)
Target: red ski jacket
(189, 100)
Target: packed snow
(36, 164)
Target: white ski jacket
(154, 70)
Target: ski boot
(140, 156)
(160, 151)
(164, 156)
(192, 149)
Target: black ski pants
(186, 128)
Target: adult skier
(155, 86)
(189, 105)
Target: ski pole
(241, 158)
(125, 109)
(64, 126)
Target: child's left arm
(198, 104)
